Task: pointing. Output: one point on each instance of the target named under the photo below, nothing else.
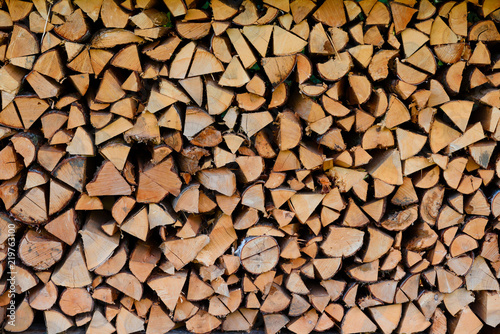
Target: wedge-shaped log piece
(204, 62)
(286, 43)
(422, 237)
(50, 64)
(218, 98)
(193, 30)
(379, 64)
(250, 101)
(355, 321)
(486, 307)
(97, 245)
(128, 58)
(56, 321)
(458, 300)
(240, 320)
(221, 238)
(110, 89)
(278, 68)
(251, 123)
(159, 320)
(480, 277)
(128, 322)
(277, 300)
(114, 129)
(473, 134)
(459, 112)
(32, 208)
(304, 204)
(242, 48)
(112, 15)
(108, 182)
(81, 144)
(259, 36)
(447, 281)
(331, 13)
(22, 43)
(221, 180)
(198, 289)
(162, 51)
(412, 320)
(99, 324)
(387, 167)
(9, 117)
(409, 143)
(26, 315)
(465, 322)
(367, 272)
(64, 226)
(30, 108)
(177, 7)
(116, 152)
(401, 15)
(182, 251)
(378, 245)
(342, 241)
(274, 322)
(196, 120)
(397, 113)
(188, 199)
(72, 272)
(137, 224)
(387, 317)
(335, 69)
(126, 283)
(168, 287)
(157, 181)
(234, 75)
(202, 322)
(441, 33)
(75, 28)
(145, 129)
(10, 164)
(59, 196)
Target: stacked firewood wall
(228, 165)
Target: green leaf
(169, 21)
(472, 17)
(255, 67)
(315, 80)
(259, 4)
(206, 5)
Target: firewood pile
(227, 165)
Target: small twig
(46, 21)
(333, 45)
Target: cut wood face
(259, 255)
(321, 165)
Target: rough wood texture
(224, 165)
